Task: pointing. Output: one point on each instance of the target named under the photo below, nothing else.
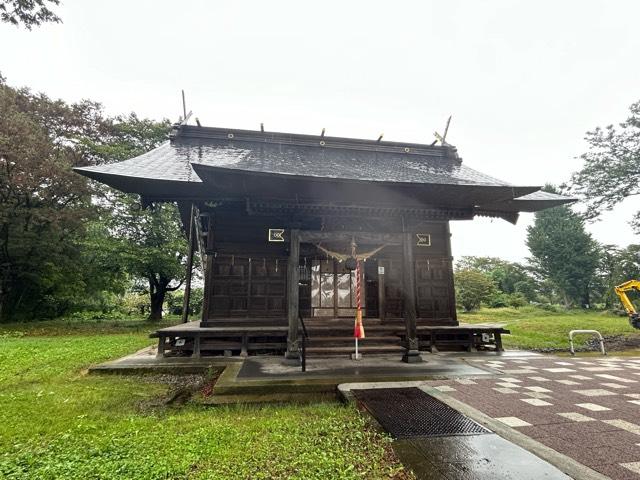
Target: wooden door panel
(243, 287)
(433, 288)
(393, 298)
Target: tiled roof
(161, 163)
(303, 156)
(335, 158)
(346, 164)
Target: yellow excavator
(621, 290)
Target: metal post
(592, 332)
(303, 344)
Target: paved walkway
(474, 457)
(382, 366)
(437, 442)
(586, 408)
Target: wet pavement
(475, 457)
(389, 366)
(585, 408)
(146, 361)
(436, 441)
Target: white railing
(591, 332)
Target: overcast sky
(523, 80)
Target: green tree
(121, 138)
(509, 277)
(616, 265)
(65, 243)
(151, 243)
(152, 247)
(611, 170)
(44, 206)
(106, 276)
(175, 301)
(30, 13)
(564, 253)
(472, 288)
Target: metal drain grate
(410, 412)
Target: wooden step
(350, 349)
(350, 339)
(349, 328)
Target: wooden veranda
(326, 337)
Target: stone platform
(266, 378)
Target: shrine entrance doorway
(333, 289)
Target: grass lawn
(57, 422)
(533, 328)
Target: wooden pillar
(412, 354)
(196, 347)
(208, 289)
(162, 340)
(244, 352)
(452, 292)
(187, 285)
(382, 299)
(293, 277)
(208, 272)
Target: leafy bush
(498, 300)
(473, 288)
(551, 307)
(135, 303)
(174, 301)
(508, 277)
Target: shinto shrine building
(277, 218)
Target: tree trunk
(567, 301)
(157, 291)
(157, 300)
(586, 301)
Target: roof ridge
(318, 141)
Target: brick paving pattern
(585, 408)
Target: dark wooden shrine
(275, 217)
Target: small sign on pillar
(276, 234)
(423, 240)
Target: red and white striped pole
(358, 331)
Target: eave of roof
(532, 202)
